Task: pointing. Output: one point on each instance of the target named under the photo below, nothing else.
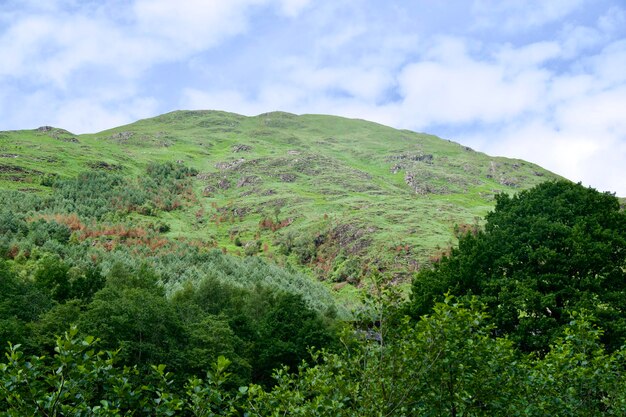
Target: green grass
(322, 172)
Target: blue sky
(534, 79)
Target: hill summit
(330, 193)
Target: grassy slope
(370, 187)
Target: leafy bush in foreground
(447, 364)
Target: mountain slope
(332, 193)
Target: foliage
(446, 364)
(130, 253)
(79, 380)
(548, 251)
(20, 303)
(181, 305)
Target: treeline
(524, 318)
(257, 328)
(446, 364)
(78, 257)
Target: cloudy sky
(542, 80)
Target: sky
(540, 80)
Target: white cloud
(569, 87)
(362, 83)
(578, 132)
(100, 110)
(86, 115)
(49, 42)
(529, 56)
(608, 66)
(577, 39)
(341, 38)
(523, 81)
(456, 88)
(508, 100)
(596, 159)
(614, 20)
(595, 114)
(191, 25)
(232, 101)
(69, 53)
(521, 15)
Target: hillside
(323, 189)
(204, 263)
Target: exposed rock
(208, 190)
(19, 172)
(8, 155)
(56, 133)
(397, 168)
(240, 211)
(122, 136)
(105, 166)
(428, 158)
(70, 139)
(241, 148)
(419, 187)
(248, 164)
(362, 174)
(293, 152)
(287, 177)
(248, 180)
(509, 182)
(351, 238)
(423, 186)
(224, 184)
(223, 166)
(312, 165)
(12, 169)
(250, 191)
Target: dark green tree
(287, 329)
(21, 302)
(545, 252)
(140, 321)
(51, 276)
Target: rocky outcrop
(224, 184)
(248, 180)
(228, 165)
(241, 148)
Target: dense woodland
(103, 315)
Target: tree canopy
(545, 252)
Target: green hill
(206, 263)
(331, 193)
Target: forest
(103, 315)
